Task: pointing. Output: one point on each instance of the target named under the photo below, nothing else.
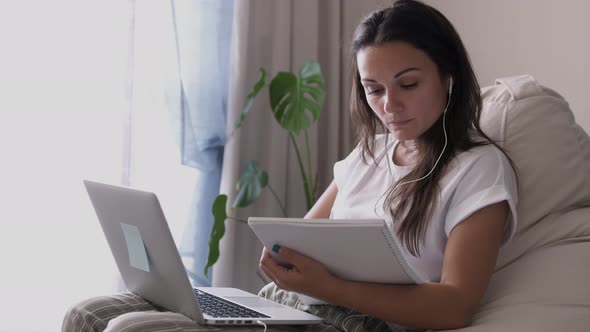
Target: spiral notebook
(352, 249)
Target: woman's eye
(409, 86)
(373, 91)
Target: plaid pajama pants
(128, 312)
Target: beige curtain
(281, 35)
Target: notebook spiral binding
(400, 257)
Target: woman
(449, 191)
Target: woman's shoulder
(486, 156)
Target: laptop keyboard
(217, 307)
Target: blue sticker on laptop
(135, 247)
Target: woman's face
(403, 87)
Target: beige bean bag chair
(542, 279)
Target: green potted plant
(292, 97)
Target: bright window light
(63, 76)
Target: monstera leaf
(249, 188)
(250, 98)
(250, 185)
(291, 96)
(217, 231)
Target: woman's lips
(400, 122)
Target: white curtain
(64, 117)
(281, 35)
(62, 94)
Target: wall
(544, 38)
(547, 39)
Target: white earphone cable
(435, 164)
(261, 323)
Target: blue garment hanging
(198, 106)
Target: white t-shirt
(474, 179)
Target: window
(63, 109)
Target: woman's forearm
(431, 305)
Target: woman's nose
(391, 103)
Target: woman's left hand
(306, 275)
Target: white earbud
(450, 85)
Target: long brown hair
(424, 28)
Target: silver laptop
(146, 255)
